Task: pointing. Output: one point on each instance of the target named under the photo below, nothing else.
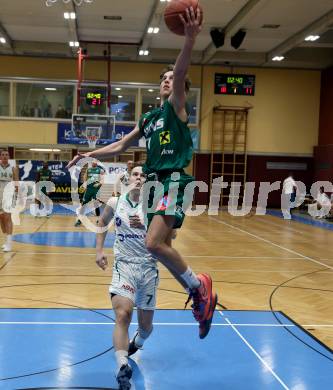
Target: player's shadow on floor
(137, 377)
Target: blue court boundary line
(304, 220)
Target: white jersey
(6, 174)
(289, 185)
(130, 242)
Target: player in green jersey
(169, 151)
(43, 174)
(93, 180)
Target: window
(44, 100)
(191, 106)
(123, 103)
(150, 98)
(4, 99)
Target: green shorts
(168, 200)
(90, 194)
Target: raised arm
(104, 220)
(109, 150)
(192, 27)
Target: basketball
(174, 9)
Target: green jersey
(44, 174)
(94, 175)
(168, 140)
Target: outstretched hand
(77, 158)
(192, 23)
(101, 261)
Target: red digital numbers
(224, 89)
(96, 101)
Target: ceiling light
(44, 150)
(118, 89)
(2, 40)
(69, 15)
(150, 90)
(150, 30)
(158, 98)
(143, 52)
(74, 44)
(50, 89)
(165, 1)
(278, 58)
(312, 38)
(120, 97)
(156, 30)
(49, 3)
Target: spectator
(69, 104)
(122, 180)
(61, 112)
(323, 203)
(25, 111)
(49, 111)
(44, 106)
(35, 111)
(288, 195)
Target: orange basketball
(174, 9)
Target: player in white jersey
(135, 273)
(7, 174)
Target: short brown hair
(171, 68)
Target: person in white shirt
(123, 178)
(323, 203)
(288, 195)
(7, 174)
(135, 273)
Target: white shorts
(6, 202)
(137, 282)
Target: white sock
(190, 278)
(9, 239)
(141, 336)
(121, 358)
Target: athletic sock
(190, 278)
(121, 358)
(141, 336)
(9, 239)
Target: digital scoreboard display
(234, 84)
(94, 98)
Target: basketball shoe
(132, 348)
(204, 302)
(123, 377)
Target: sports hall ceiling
(273, 28)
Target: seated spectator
(61, 112)
(35, 111)
(25, 110)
